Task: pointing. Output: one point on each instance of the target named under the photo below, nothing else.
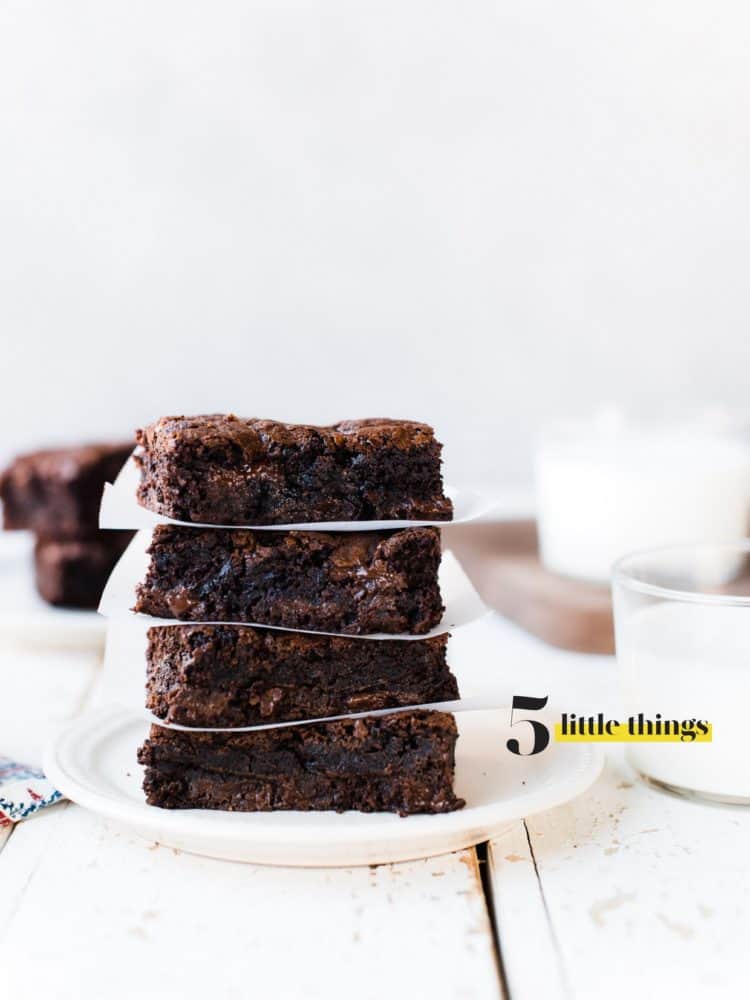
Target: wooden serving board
(502, 560)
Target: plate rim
(471, 824)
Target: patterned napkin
(23, 790)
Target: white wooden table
(624, 892)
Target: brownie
(354, 582)
(401, 763)
(72, 572)
(225, 470)
(56, 493)
(235, 675)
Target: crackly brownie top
(257, 438)
(63, 465)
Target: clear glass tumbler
(682, 633)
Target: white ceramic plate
(93, 762)
(120, 509)
(24, 616)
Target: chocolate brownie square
(402, 763)
(72, 572)
(356, 583)
(225, 470)
(237, 675)
(56, 493)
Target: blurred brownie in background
(55, 494)
(72, 572)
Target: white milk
(604, 490)
(689, 661)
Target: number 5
(541, 732)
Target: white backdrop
(480, 214)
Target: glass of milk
(682, 632)
(608, 486)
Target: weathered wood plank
(530, 957)
(40, 688)
(644, 892)
(23, 854)
(85, 905)
(5, 833)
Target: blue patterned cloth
(23, 790)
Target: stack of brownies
(222, 470)
(55, 494)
